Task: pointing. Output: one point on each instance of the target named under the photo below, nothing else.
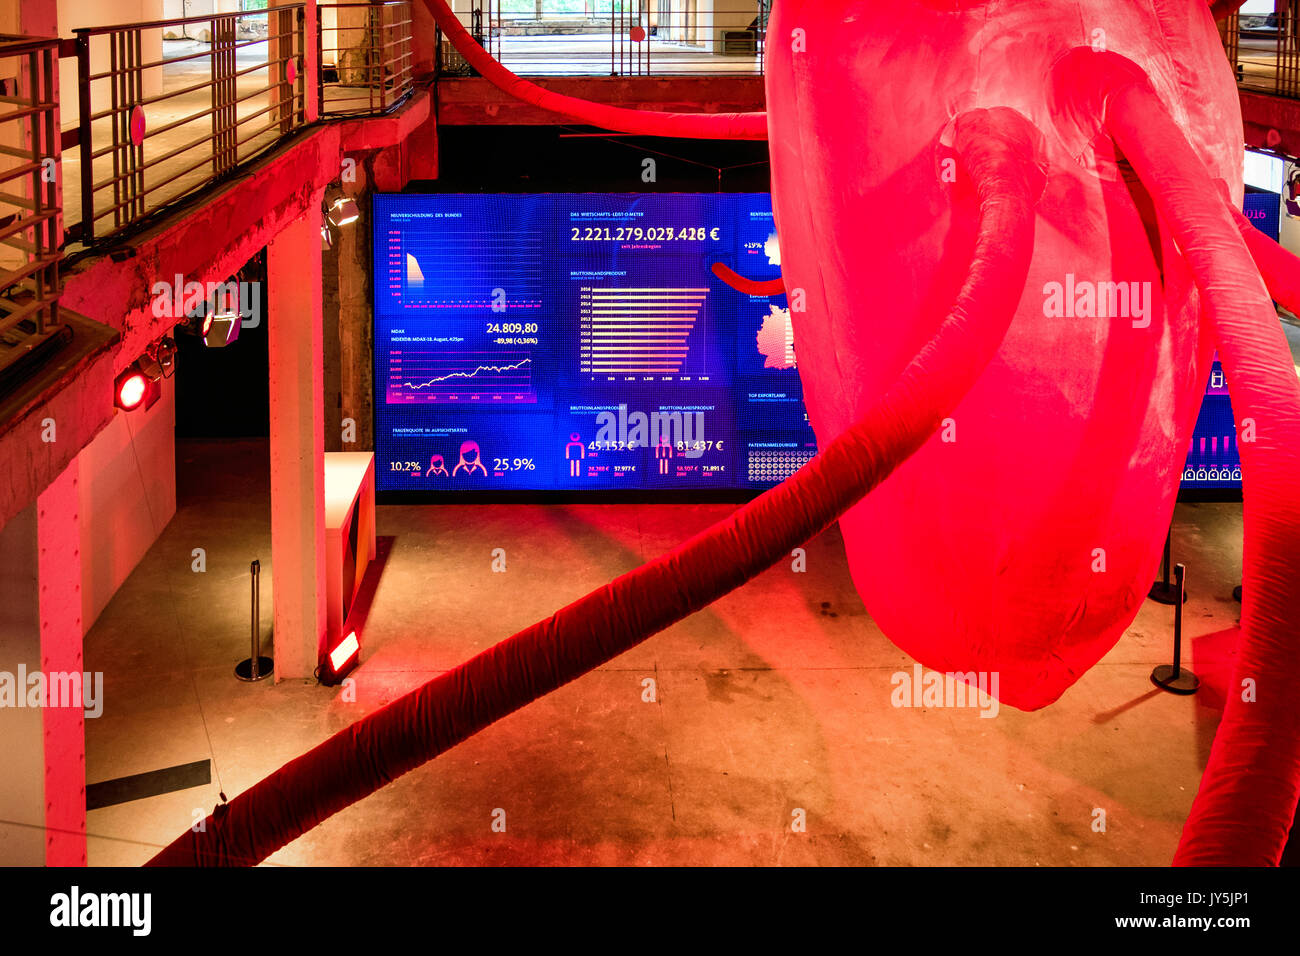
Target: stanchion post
(1162, 592)
(256, 667)
(1173, 677)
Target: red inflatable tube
(1247, 799)
(1222, 9)
(995, 148)
(748, 286)
(1280, 268)
(641, 122)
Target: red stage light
(132, 387)
(340, 660)
(340, 655)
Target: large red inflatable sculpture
(1008, 235)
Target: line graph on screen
(437, 375)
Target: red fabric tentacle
(996, 149)
(1280, 268)
(1244, 807)
(748, 286)
(641, 122)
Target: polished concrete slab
(772, 706)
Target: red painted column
(295, 333)
(58, 531)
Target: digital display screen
(1213, 461)
(581, 341)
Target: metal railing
(617, 37)
(169, 106)
(1265, 51)
(29, 202)
(365, 56)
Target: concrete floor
(775, 699)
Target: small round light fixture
(131, 389)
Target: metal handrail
(386, 74)
(1264, 52)
(136, 175)
(620, 38)
(29, 276)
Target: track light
(138, 383)
(219, 330)
(130, 389)
(339, 209)
(221, 326)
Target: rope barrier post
(1162, 592)
(256, 667)
(1172, 677)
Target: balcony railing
(29, 203)
(170, 106)
(617, 37)
(365, 56)
(1265, 52)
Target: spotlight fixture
(138, 383)
(221, 327)
(335, 665)
(130, 389)
(339, 209)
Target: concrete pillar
(349, 334)
(295, 342)
(356, 329)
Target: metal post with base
(1162, 592)
(255, 667)
(1172, 677)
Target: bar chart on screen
(643, 333)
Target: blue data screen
(572, 341)
(1214, 460)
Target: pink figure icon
(475, 461)
(575, 451)
(437, 467)
(663, 451)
